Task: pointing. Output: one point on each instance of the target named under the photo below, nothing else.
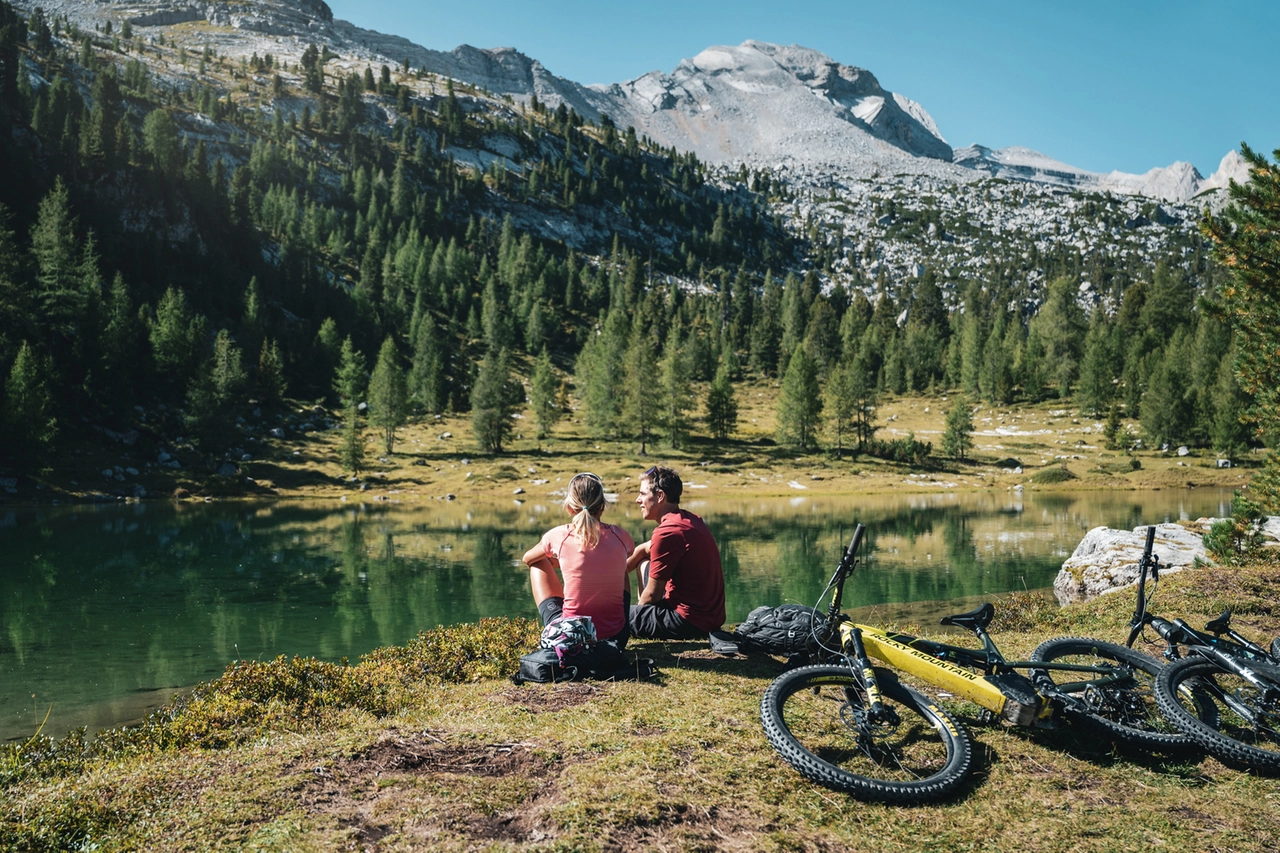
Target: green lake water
(107, 611)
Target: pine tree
(1111, 430)
(160, 135)
(1096, 387)
(544, 395)
(176, 338)
(493, 402)
(348, 383)
(388, 394)
(213, 395)
(426, 377)
(766, 330)
(30, 425)
(60, 298)
(956, 438)
(1229, 431)
(119, 346)
(862, 390)
(674, 390)
(1060, 329)
(839, 404)
(722, 407)
(599, 373)
(271, 385)
(800, 403)
(641, 403)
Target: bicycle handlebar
(1140, 609)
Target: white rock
(1107, 560)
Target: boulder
(226, 469)
(1107, 560)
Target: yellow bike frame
(947, 676)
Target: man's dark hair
(665, 480)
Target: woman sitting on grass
(592, 557)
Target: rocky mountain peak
(757, 101)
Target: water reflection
(106, 610)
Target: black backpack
(784, 630)
(601, 662)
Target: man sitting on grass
(682, 593)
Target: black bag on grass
(602, 661)
(784, 630)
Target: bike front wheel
(1247, 730)
(1125, 710)
(817, 718)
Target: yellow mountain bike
(854, 726)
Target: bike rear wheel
(1248, 723)
(817, 718)
(1126, 710)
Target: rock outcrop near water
(1106, 560)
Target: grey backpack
(784, 630)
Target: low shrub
(1054, 474)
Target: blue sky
(1123, 84)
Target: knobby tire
(814, 717)
(1235, 739)
(1126, 711)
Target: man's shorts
(655, 622)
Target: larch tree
(957, 438)
(388, 394)
(349, 384)
(544, 395)
(426, 376)
(30, 426)
(641, 403)
(800, 404)
(270, 382)
(674, 389)
(722, 407)
(839, 404)
(493, 402)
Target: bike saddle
(974, 619)
(1220, 625)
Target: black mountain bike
(1219, 688)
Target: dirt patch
(414, 756)
(554, 697)
(684, 827)
(406, 773)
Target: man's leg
(658, 623)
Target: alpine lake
(108, 611)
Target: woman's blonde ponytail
(585, 499)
